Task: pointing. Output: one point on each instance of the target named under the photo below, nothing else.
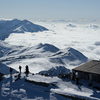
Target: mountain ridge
(53, 54)
(18, 26)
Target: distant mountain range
(18, 26)
(54, 54)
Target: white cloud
(97, 43)
(5, 19)
(85, 40)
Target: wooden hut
(89, 71)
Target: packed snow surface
(11, 89)
(68, 87)
(21, 90)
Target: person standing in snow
(20, 68)
(11, 71)
(27, 69)
(1, 76)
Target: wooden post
(90, 79)
(73, 75)
(1, 64)
(98, 78)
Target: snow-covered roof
(89, 67)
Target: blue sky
(50, 9)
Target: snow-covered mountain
(7, 49)
(49, 50)
(49, 53)
(39, 55)
(47, 47)
(93, 26)
(71, 25)
(69, 54)
(55, 71)
(18, 26)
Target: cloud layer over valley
(56, 40)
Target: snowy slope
(21, 90)
(4, 69)
(68, 87)
(5, 48)
(18, 26)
